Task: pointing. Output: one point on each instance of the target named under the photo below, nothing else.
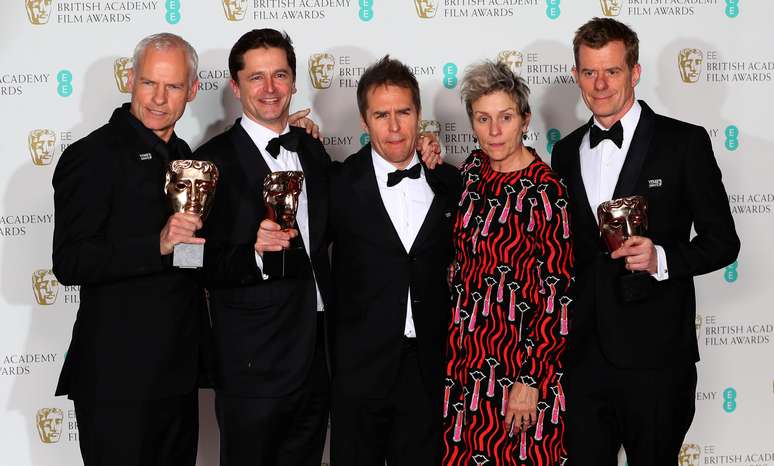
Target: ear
(235, 88)
(525, 125)
(363, 125)
(130, 80)
(193, 90)
(636, 70)
(575, 75)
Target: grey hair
(487, 77)
(166, 41)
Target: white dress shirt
(285, 161)
(601, 166)
(407, 204)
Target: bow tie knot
(615, 134)
(288, 140)
(397, 176)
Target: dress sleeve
(545, 339)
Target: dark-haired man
(272, 382)
(391, 225)
(631, 373)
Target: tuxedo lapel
(638, 150)
(578, 188)
(316, 192)
(254, 168)
(434, 213)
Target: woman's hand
(522, 408)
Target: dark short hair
(598, 32)
(260, 38)
(386, 71)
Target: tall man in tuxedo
(631, 372)
(272, 383)
(140, 333)
(391, 226)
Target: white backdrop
(60, 78)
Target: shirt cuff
(259, 263)
(662, 273)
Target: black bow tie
(396, 176)
(288, 140)
(615, 134)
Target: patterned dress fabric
(510, 304)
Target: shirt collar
(260, 134)
(169, 150)
(382, 167)
(628, 121)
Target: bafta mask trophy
(281, 191)
(190, 188)
(620, 219)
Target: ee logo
(732, 137)
(450, 75)
(732, 8)
(366, 12)
(553, 136)
(173, 11)
(729, 400)
(552, 9)
(65, 80)
(364, 139)
(731, 274)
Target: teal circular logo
(364, 139)
(553, 136)
(731, 275)
(729, 400)
(732, 137)
(366, 12)
(732, 8)
(450, 71)
(173, 11)
(65, 83)
(552, 9)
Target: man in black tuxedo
(140, 333)
(631, 373)
(391, 225)
(272, 380)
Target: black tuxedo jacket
(372, 274)
(672, 165)
(141, 327)
(264, 329)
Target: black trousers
(139, 433)
(403, 429)
(648, 411)
(283, 431)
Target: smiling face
(160, 89)
(265, 86)
(606, 81)
(392, 122)
(499, 127)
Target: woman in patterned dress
(503, 402)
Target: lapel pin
(655, 183)
(146, 156)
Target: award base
(188, 256)
(635, 286)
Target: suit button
(413, 258)
(249, 364)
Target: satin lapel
(435, 211)
(638, 151)
(365, 186)
(578, 188)
(316, 193)
(254, 168)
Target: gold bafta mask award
(281, 191)
(121, 69)
(513, 58)
(619, 220)
(689, 61)
(235, 9)
(190, 188)
(49, 423)
(45, 286)
(321, 70)
(426, 8)
(42, 144)
(38, 11)
(611, 7)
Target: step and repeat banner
(63, 69)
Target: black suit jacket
(672, 165)
(373, 273)
(264, 329)
(141, 325)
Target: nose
(600, 82)
(394, 124)
(160, 95)
(494, 127)
(269, 84)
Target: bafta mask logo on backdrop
(611, 7)
(426, 8)
(689, 455)
(234, 9)
(699, 321)
(121, 68)
(689, 61)
(513, 58)
(42, 145)
(49, 423)
(430, 126)
(45, 286)
(321, 67)
(38, 11)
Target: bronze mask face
(190, 186)
(621, 219)
(280, 193)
